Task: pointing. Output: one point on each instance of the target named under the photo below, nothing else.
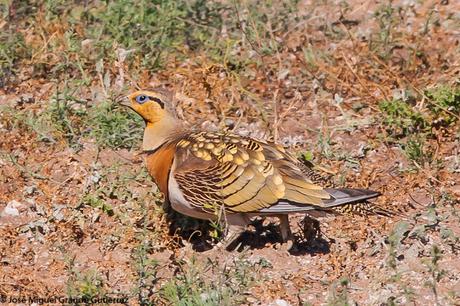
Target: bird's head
(152, 105)
(155, 106)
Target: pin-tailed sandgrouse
(204, 173)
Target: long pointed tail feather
(343, 201)
(342, 196)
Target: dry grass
(370, 90)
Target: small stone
(95, 177)
(280, 302)
(57, 212)
(86, 43)
(29, 190)
(283, 74)
(11, 209)
(251, 300)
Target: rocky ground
(367, 89)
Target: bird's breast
(159, 165)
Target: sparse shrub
(338, 295)
(416, 150)
(67, 114)
(12, 49)
(444, 105)
(191, 286)
(114, 127)
(436, 272)
(401, 119)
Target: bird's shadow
(260, 235)
(308, 241)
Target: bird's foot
(231, 240)
(311, 228)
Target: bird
(212, 175)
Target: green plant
(146, 269)
(338, 293)
(415, 149)
(397, 235)
(96, 201)
(401, 119)
(66, 113)
(155, 29)
(227, 285)
(435, 271)
(28, 120)
(444, 104)
(85, 285)
(388, 19)
(12, 49)
(306, 156)
(114, 127)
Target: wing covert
(244, 175)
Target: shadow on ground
(260, 235)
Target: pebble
(280, 302)
(11, 209)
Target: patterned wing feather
(243, 175)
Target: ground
(369, 90)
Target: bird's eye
(142, 99)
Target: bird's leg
(286, 234)
(236, 225)
(311, 228)
(233, 234)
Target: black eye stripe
(158, 101)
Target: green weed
(66, 113)
(86, 285)
(395, 238)
(401, 119)
(306, 156)
(152, 28)
(146, 268)
(410, 127)
(96, 201)
(338, 293)
(192, 286)
(113, 127)
(444, 104)
(435, 271)
(27, 120)
(388, 17)
(12, 49)
(415, 149)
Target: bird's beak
(126, 104)
(124, 101)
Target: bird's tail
(343, 201)
(354, 201)
(341, 196)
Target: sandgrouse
(204, 173)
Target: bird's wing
(215, 170)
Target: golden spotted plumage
(205, 173)
(240, 174)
